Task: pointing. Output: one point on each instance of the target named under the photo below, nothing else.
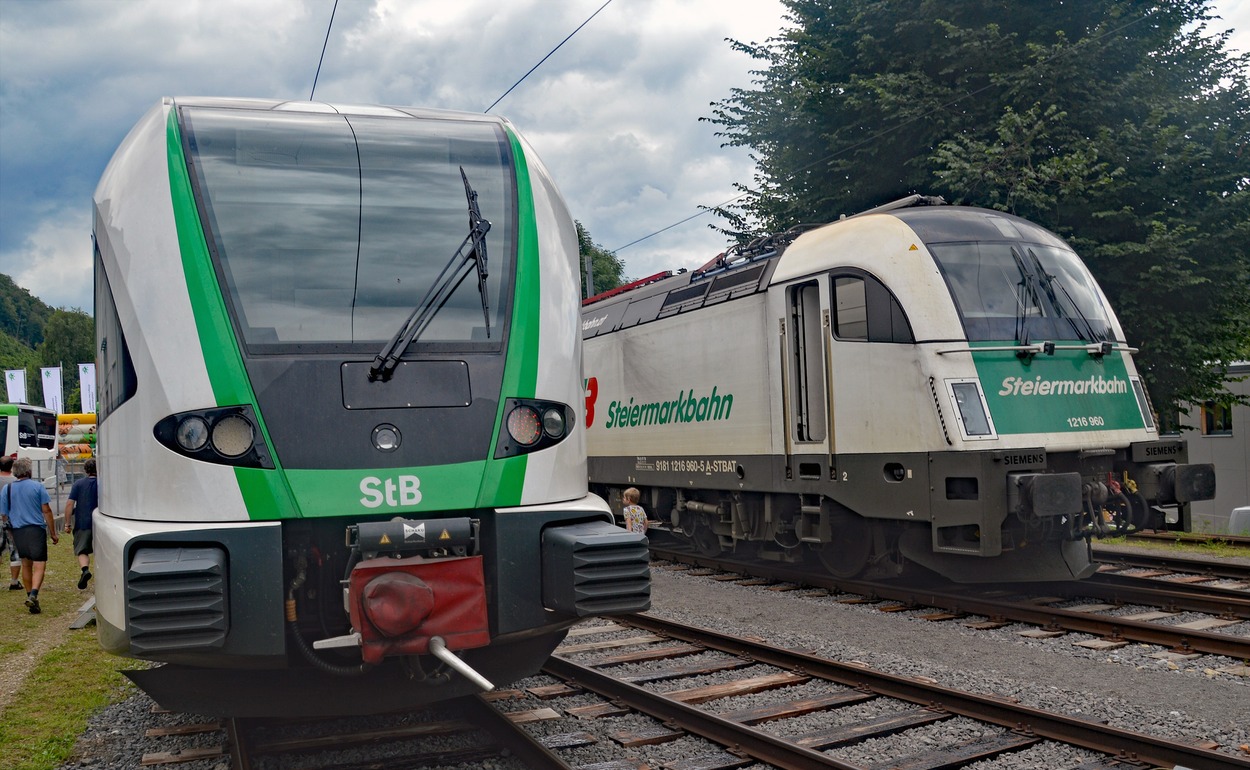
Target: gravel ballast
(1183, 699)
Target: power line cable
(545, 58)
(882, 133)
(323, 50)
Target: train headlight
(192, 433)
(523, 425)
(553, 422)
(227, 435)
(233, 435)
(532, 425)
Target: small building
(1220, 435)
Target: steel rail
(1124, 744)
(524, 746)
(733, 736)
(1186, 640)
(1214, 569)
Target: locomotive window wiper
(1028, 293)
(449, 279)
(1049, 282)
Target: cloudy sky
(614, 113)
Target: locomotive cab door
(807, 401)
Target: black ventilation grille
(176, 599)
(595, 568)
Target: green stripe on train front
(264, 493)
(504, 480)
(1068, 392)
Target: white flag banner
(52, 397)
(15, 381)
(86, 385)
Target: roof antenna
(323, 51)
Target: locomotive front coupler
(401, 537)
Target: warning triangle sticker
(384, 540)
(445, 536)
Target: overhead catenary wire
(323, 50)
(545, 58)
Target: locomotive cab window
(328, 230)
(865, 310)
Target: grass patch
(1184, 544)
(73, 679)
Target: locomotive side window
(866, 311)
(115, 373)
(806, 368)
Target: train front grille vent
(595, 568)
(176, 599)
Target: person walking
(6, 534)
(26, 507)
(84, 497)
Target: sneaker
(33, 604)
(15, 586)
(82, 579)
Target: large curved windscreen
(332, 228)
(1023, 292)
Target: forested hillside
(34, 334)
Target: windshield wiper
(445, 285)
(1049, 282)
(1028, 292)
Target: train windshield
(1021, 291)
(329, 229)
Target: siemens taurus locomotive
(334, 474)
(918, 384)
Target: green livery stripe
(1068, 392)
(364, 492)
(504, 480)
(222, 359)
(264, 493)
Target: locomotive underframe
(209, 602)
(972, 516)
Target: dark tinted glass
(1041, 292)
(330, 228)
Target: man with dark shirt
(84, 497)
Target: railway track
(1037, 604)
(467, 732)
(654, 666)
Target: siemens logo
(1025, 458)
(1163, 450)
(1018, 386)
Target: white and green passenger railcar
(341, 450)
(925, 384)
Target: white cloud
(56, 260)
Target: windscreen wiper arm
(1050, 282)
(445, 285)
(1028, 292)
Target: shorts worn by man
(26, 507)
(84, 498)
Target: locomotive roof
(331, 108)
(748, 269)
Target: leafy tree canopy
(1122, 125)
(606, 268)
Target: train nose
(395, 603)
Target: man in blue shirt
(84, 497)
(26, 507)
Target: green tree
(606, 268)
(1122, 125)
(68, 340)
